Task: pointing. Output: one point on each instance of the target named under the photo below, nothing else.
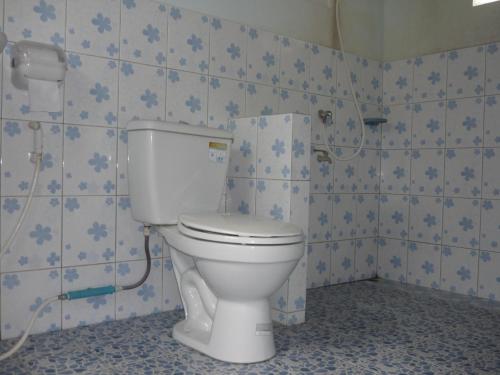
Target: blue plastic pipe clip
(90, 292)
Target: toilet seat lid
(235, 228)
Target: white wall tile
(89, 160)
(22, 293)
(142, 93)
(492, 68)
(227, 101)
(429, 74)
(94, 28)
(318, 262)
(463, 172)
(427, 172)
(366, 258)
(461, 219)
(464, 122)
(466, 72)
(459, 269)
(187, 97)
(395, 171)
(424, 264)
(17, 165)
(188, 40)
(320, 217)
(342, 266)
(398, 82)
(294, 64)
(428, 124)
(344, 216)
(91, 90)
(397, 132)
(392, 259)
(36, 21)
(143, 32)
(426, 219)
(88, 230)
(228, 46)
(263, 52)
(38, 244)
(323, 70)
(489, 275)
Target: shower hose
(353, 93)
(36, 157)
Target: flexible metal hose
(26, 333)
(353, 93)
(84, 293)
(148, 263)
(20, 221)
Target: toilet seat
(238, 229)
(235, 238)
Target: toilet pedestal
(241, 333)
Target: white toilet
(226, 266)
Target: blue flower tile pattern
(138, 58)
(228, 49)
(93, 29)
(452, 220)
(143, 32)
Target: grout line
(408, 242)
(444, 172)
(117, 140)
(1, 159)
(482, 179)
(63, 142)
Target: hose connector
(147, 231)
(87, 293)
(36, 154)
(36, 157)
(34, 125)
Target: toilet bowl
(227, 267)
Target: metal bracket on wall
(322, 155)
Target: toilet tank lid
(239, 225)
(175, 127)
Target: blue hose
(89, 292)
(110, 289)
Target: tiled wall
(269, 176)
(424, 188)
(143, 58)
(343, 216)
(440, 184)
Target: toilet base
(242, 332)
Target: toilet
(226, 266)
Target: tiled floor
(360, 328)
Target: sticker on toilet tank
(217, 152)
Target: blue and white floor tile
(377, 328)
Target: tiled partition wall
(440, 184)
(269, 176)
(145, 59)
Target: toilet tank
(174, 169)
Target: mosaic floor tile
(359, 328)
